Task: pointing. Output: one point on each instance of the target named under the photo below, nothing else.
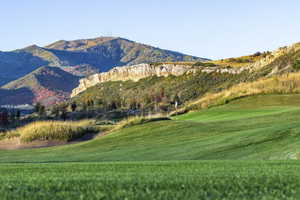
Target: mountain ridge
(47, 85)
(83, 57)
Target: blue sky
(211, 28)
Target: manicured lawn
(239, 130)
(152, 180)
(156, 158)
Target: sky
(212, 29)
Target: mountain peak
(81, 44)
(30, 48)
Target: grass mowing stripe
(152, 180)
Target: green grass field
(155, 158)
(152, 180)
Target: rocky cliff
(276, 62)
(280, 60)
(137, 72)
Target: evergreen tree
(73, 106)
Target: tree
(37, 107)
(176, 100)
(63, 115)
(4, 117)
(55, 111)
(42, 111)
(73, 106)
(12, 116)
(162, 93)
(18, 115)
(257, 54)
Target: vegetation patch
(138, 120)
(204, 64)
(282, 84)
(155, 94)
(243, 60)
(52, 130)
(296, 64)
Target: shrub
(296, 64)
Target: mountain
(14, 65)
(83, 57)
(46, 85)
(112, 51)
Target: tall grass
(52, 130)
(136, 120)
(282, 84)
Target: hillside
(14, 65)
(278, 73)
(260, 127)
(138, 72)
(83, 57)
(46, 85)
(152, 93)
(271, 72)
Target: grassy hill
(259, 127)
(46, 85)
(278, 84)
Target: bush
(296, 64)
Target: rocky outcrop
(269, 59)
(137, 72)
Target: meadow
(246, 149)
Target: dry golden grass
(52, 130)
(282, 84)
(132, 121)
(236, 62)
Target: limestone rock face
(273, 56)
(140, 71)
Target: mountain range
(39, 72)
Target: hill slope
(46, 85)
(194, 80)
(261, 127)
(14, 65)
